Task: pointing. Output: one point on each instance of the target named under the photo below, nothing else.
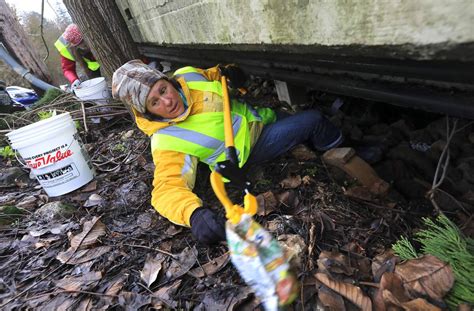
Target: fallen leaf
(211, 267)
(267, 203)
(185, 261)
(418, 304)
(92, 230)
(124, 226)
(307, 180)
(81, 256)
(127, 134)
(327, 223)
(276, 225)
(151, 269)
(392, 283)
(145, 220)
(20, 183)
(85, 305)
(288, 199)
(330, 299)
(79, 283)
(80, 197)
(92, 186)
(308, 294)
(382, 263)
(141, 161)
(351, 292)
(41, 244)
(164, 295)
(43, 198)
(426, 275)
(37, 233)
(111, 290)
(94, 200)
(335, 262)
(27, 203)
(61, 302)
(173, 230)
(291, 182)
(293, 247)
(224, 301)
(133, 301)
(84, 267)
(354, 247)
(167, 245)
(116, 286)
(58, 229)
(362, 268)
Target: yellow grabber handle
(233, 211)
(228, 130)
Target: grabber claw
(233, 212)
(250, 204)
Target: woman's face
(164, 100)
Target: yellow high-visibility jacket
(175, 172)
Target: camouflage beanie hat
(132, 83)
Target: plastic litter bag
(261, 263)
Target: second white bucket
(94, 90)
(53, 151)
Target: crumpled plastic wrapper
(261, 263)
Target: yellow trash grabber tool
(254, 252)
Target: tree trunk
(118, 27)
(105, 32)
(19, 45)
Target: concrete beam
(438, 23)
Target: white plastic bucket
(53, 151)
(94, 90)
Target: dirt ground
(104, 246)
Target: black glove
(207, 227)
(235, 75)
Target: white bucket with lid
(53, 151)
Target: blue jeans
(291, 130)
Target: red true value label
(48, 159)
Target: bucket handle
(19, 161)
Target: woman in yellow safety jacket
(183, 117)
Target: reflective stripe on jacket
(62, 45)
